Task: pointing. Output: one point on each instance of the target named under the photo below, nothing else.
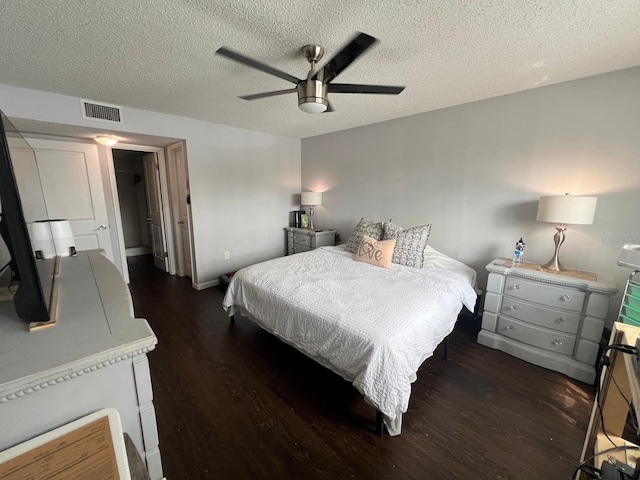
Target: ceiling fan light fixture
(311, 105)
(312, 96)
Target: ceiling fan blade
(250, 62)
(374, 89)
(256, 96)
(345, 57)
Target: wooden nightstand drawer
(538, 337)
(549, 295)
(303, 239)
(300, 239)
(540, 315)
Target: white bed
(371, 325)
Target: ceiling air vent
(103, 112)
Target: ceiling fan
(313, 91)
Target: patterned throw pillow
(364, 227)
(375, 252)
(410, 243)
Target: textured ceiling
(159, 54)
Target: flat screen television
(32, 282)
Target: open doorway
(149, 187)
(131, 183)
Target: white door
(181, 202)
(154, 215)
(71, 183)
(183, 205)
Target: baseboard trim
(203, 285)
(137, 251)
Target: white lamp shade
(62, 236)
(311, 198)
(42, 239)
(567, 209)
(52, 237)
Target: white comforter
(372, 326)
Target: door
(71, 184)
(179, 186)
(185, 205)
(154, 215)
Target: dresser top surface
(308, 231)
(93, 321)
(576, 278)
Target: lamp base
(554, 264)
(311, 226)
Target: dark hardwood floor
(232, 401)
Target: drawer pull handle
(517, 286)
(557, 342)
(560, 320)
(509, 327)
(565, 298)
(513, 307)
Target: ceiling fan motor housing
(312, 96)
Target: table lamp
(564, 209)
(311, 199)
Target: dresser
(303, 239)
(95, 357)
(554, 320)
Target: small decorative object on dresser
(554, 320)
(303, 239)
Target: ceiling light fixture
(313, 106)
(107, 141)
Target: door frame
(175, 202)
(166, 208)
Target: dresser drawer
(302, 239)
(539, 315)
(549, 295)
(300, 248)
(536, 336)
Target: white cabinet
(550, 319)
(303, 239)
(95, 357)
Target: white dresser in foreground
(554, 320)
(95, 357)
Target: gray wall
(243, 183)
(476, 171)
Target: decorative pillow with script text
(375, 252)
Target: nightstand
(554, 320)
(304, 240)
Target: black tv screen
(19, 272)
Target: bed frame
(379, 415)
(379, 425)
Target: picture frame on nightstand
(304, 220)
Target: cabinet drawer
(536, 336)
(549, 295)
(302, 239)
(540, 315)
(300, 248)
